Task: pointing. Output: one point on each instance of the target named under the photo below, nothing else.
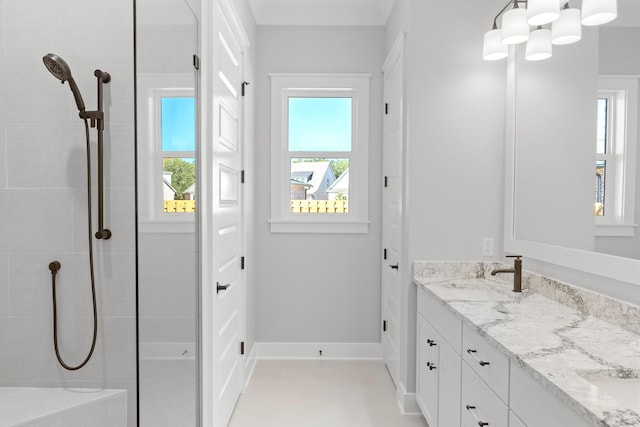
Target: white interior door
(226, 229)
(392, 210)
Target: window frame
(151, 167)
(621, 165)
(354, 86)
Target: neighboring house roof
(296, 182)
(168, 185)
(311, 173)
(340, 185)
(191, 189)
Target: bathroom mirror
(551, 134)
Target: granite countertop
(560, 346)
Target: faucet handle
(513, 256)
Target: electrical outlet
(487, 246)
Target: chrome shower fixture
(60, 70)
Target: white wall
(43, 195)
(455, 141)
(295, 303)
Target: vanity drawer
(486, 361)
(479, 403)
(442, 320)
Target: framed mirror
(555, 163)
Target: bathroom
(151, 309)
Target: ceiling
(321, 12)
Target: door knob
(220, 287)
(395, 267)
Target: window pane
(602, 122)
(319, 185)
(320, 124)
(178, 184)
(178, 124)
(598, 207)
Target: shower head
(60, 70)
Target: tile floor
(314, 393)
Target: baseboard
(290, 350)
(407, 401)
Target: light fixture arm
(511, 2)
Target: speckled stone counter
(563, 336)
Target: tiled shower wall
(43, 195)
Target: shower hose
(55, 266)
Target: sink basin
(622, 386)
(476, 290)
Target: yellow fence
(179, 206)
(319, 206)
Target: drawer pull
(431, 342)
(480, 362)
(480, 423)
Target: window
(167, 159)
(319, 153)
(616, 151)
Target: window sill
(177, 226)
(319, 227)
(615, 230)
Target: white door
(392, 209)
(226, 227)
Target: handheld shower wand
(59, 68)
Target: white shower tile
(4, 286)
(36, 96)
(3, 157)
(118, 217)
(27, 349)
(115, 274)
(46, 156)
(119, 157)
(167, 329)
(30, 285)
(36, 221)
(79, 28)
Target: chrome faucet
(516, 270)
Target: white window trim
(150, 165)
(623, 90)
(357, 219)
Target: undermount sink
(622, 386)
(477, 290)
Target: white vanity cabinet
(464, 379)
(438, 362)
(536, 406)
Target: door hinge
(386, 181)
(241, 263)
(386, 108)
(384, 254)
(384, 326)
(241, 347)
(242, 176)
(196, 62)
(244, 84)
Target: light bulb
(515, 28)
(493, 48)
(567, 28)
(598, 12)
(540, 12)
(538, 45)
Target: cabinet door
(514, 421)
(426, 368)
(449, 375)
